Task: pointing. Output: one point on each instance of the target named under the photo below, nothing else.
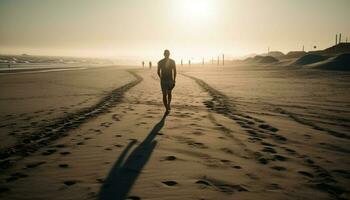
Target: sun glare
(196, 11)
(196, 8)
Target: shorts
(167, 85)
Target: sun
(196, 8)
(194, 14)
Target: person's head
(166, 53)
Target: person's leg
(169, 99)
(165, 102)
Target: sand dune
(340, 62)
(310, 59)
(262, 59)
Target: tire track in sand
(260, 131)
(61, 126)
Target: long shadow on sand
(124, 173)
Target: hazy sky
(189, 28)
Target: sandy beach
(224, 139)
(31, 100)
(174, 100)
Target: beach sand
(30, 101)
(217, 143)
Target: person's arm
(174, 71)
(158, 71)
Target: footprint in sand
(106, 124)
(279, 158)
(267, 144)
(60, 146)
(203, 183)
(279, 138)
(133, 198)
(115, 117)
(70, 182)
(227, 150)
(273, 186)
(252, 176)
(250, 122)
(49, 152)
(197, 145)
(170, 158)
(307, 136)
(65, 153)
(252, 132)
(221, 186)
(269, 150)
(304, 173)
(197, 133)
(170, 183)
(63, 165)
(309, 161)
(290, 151)
(254, 139)
(263, 161)
(98, 131)
(279, 168)
(237, 167)
(35, 164)
(268, 127)
(245, 126)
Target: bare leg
(165, 100)
(169, 99)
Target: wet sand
(218, 142)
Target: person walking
(167, 74)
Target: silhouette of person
(150, 64)
(167, 74)
(143, 64)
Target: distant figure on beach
(143, 64)
(167, 74)
(150, 64)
